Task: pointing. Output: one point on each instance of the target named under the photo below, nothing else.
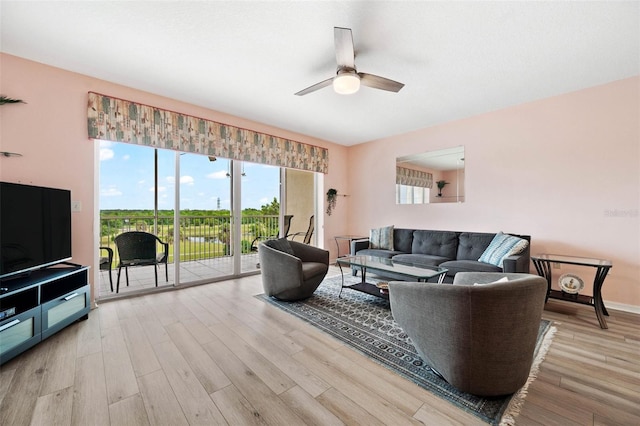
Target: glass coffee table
(407, 271)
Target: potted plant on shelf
(332, 196)
(441, 184)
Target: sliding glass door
(204, 225)
(299, 202)
(212, 212)
(135, 195)
(259, 205)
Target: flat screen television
(35, 228)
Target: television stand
(40, 304)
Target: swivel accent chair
(478, 334)
(291, 270)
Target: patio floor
(142, 278)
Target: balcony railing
(201, 237)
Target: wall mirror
(431, 177)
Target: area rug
(365, 323)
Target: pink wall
(50, 131)
(564, 170)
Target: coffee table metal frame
(420, 273)
(543, 263)
(348, 238)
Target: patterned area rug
(365, 323)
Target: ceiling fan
(348, 79)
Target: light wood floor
(214, 354)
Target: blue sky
(126, 180)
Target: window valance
(412, 177)
(125, 121)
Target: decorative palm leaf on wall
(7, 100)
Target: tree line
(272, 208)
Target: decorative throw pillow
(282, 244)
(381, 238)
(503, 245)
(501, 280)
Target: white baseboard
(622, 307)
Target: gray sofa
(455, 251)
(480, 338)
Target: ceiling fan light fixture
(346, 83)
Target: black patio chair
(285, 233)
(138, 248)
(106, 263)
(308, 234)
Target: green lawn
(197, 242)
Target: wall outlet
(76, 206)
(555, 265)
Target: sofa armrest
(516, 264)
(357, 245)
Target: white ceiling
(457, 59)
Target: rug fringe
(515, 405)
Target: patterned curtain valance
(412, 177)
(125, 121)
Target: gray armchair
(291, 270)
(479, 338)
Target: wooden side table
(543, 263)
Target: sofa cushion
(435, 243)
(378, 253)
(455, 266)
(281, 244)
(471, 245)
(311, 269)
(402, 240)
(381, 238)
(420, 259)
(503, 245)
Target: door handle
(71, 296)
(9, 325)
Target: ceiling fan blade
(344, 47)
(378, 82)
(315, 87)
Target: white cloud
(217, 175)
(186, 180)
(106, 144)
(106, 154)
(110, 192)
(126, 157)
